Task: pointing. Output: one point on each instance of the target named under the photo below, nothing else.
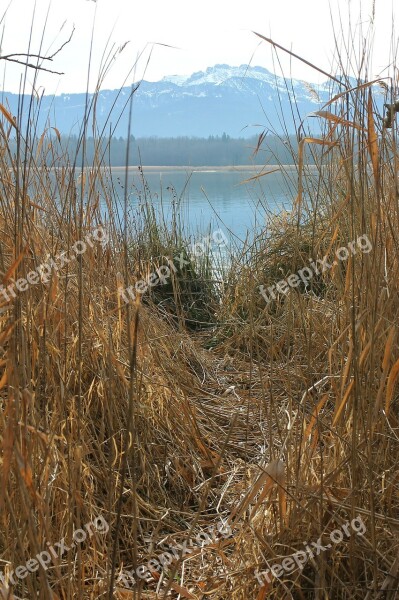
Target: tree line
(185, 151)
(177, 151)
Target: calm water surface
(211, 198)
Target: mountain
(220, 99)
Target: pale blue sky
(206, 33)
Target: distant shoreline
(257, 168)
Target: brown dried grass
(288, 428)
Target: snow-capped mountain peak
(220, 74)
(222, 98)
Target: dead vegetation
(287, 428)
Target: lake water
(211, 198)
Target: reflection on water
(211, 198)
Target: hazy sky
(201, 33)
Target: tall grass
(287, 428)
